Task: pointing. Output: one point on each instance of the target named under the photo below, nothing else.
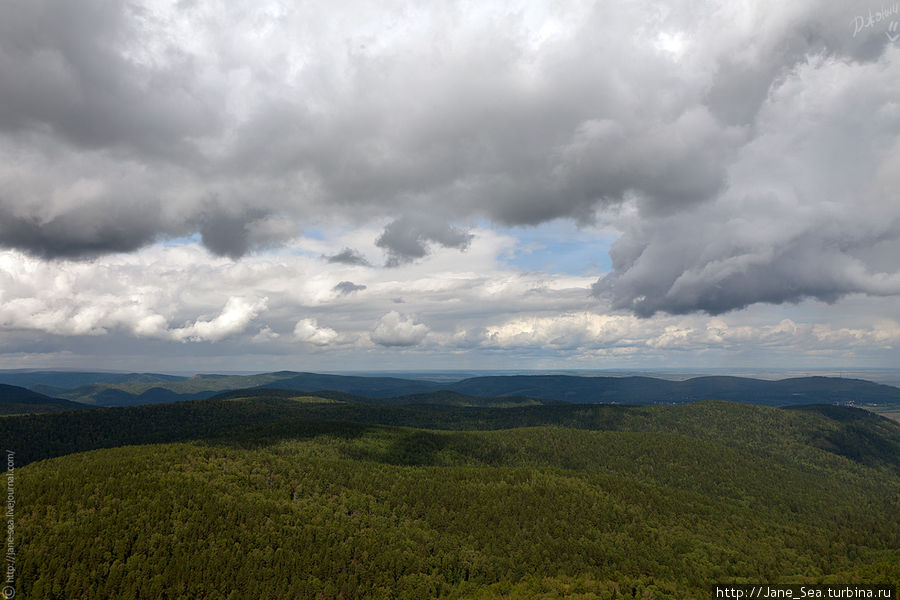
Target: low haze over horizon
(257, 186)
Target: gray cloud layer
(749, 152)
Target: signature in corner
(862, 22)
(892, 33)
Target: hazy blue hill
(66, 380)
(372, 387)
(148, 389)
(130, 392)
(622, 390)
(646, 390)
(837, 389)
(15, 400)
(569, 388)
(114, 395)
(449, 398)
(98, 394)
(443, 397)
(109, 396)
(800, 390)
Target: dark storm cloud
(346, 288)
(90, 130)
(69, 68)
(349, 256)
(671, 272)
(407, 239)
(54, 240)
(81, 234)
(228, 235)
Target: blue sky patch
(559, 247)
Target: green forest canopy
(275, 498)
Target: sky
(262, 185)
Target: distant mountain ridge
(68, 380)
(442, 398)
(147, 388)
(621, 390)
(648, 390)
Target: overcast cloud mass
(360, 185)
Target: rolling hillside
(279, 496)
(68, 380)
(834, 430)
(150, 390)
(16, 400)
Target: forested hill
(855, 433)
(16, 400)
(281, 496)
(126, 390)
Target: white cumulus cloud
(393, 329)
(234, 318)
(308, 330)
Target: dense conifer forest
(280, 496)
